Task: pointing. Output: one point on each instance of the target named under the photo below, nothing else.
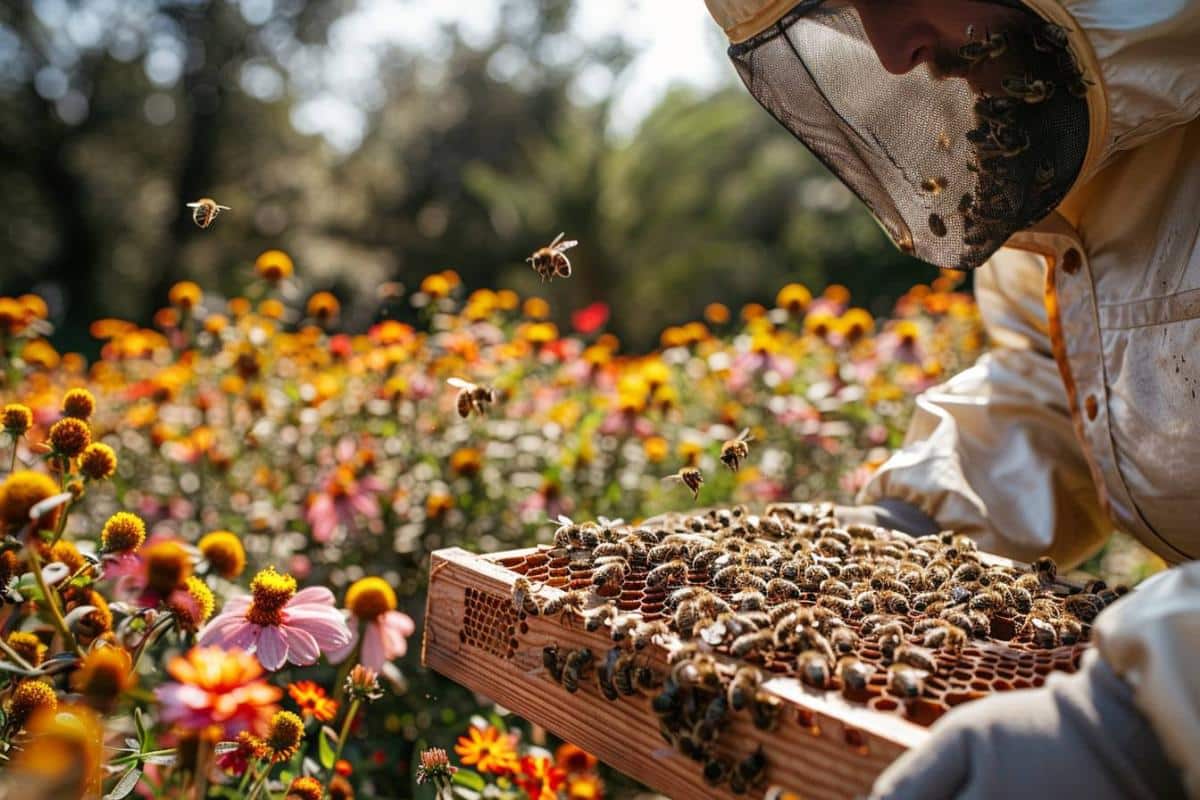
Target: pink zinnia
(385, 630)
(279, 624)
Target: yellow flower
(98, 462)
(536, 308)
(192, 605)
(323, 306)
(224, 553)
(216, 323)
(369, 597)
(716, 313)
(794, 298)
(167, 566)
(907, 332)
(487, 750)
(64, 752)
(33, 306)
(271, 308)
(12, 316)
(437, 504)
(655, 373)
(20, 492)
(507, 300)
(436, 285)
(466, 461)
(541, 332)
(184, 295)
(819, 323)
(752, 311)
(274, 266)
(104, 675)
(656, 448)
(305, 788)
(836, 293)
(40, 353)
(17, 419)
(28, 698)
(855, 324)
(122, 533)
(284, 737)
(271, 591)
(79, 403)
(70, 436)
(28, 646)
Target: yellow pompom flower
(367, 598)
(284, 737)
(855, 324)
(167, 566)
(98, 462)
(536, 308)
(28, 698)
(17, 419)
(20, 492)
(274, 266)
(224, 552)
(28, 646)
(436, 286)
(794, 298)
(192, 605)
(122, 533)
(305, 788)
(185, 295)
(323, 306)
(70, 436)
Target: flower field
(216, 535)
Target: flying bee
(552, 663)
(472, 397)
(1028, 89)
(736, 450)
(814, 668)
(691, 477)
(672, 573)
(854, 674)
(551, 261)
(205, 211)
(575, 667)
(905, 680)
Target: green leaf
(469, 780)
(326, 747)
(126, 785)
(140, 725)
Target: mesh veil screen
(951, 160)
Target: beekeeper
(1054, 148)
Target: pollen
(367, 598)
(224, 553)
(123, 533)
(271, 591)
(70, 436)
(79, 403)
(305, 788)
(98, 462)
(167, 566)
(192, 605)
(16, 418)
(21, 492)
(28, 646)
(283, 739)
(28, 698)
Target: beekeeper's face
(908, 33)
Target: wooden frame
(823, 747)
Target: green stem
(62, 523)
(16, 444)
(339, 685)
(151, 635)
(56, 616)
(346, 723)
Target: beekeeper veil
(958, 122)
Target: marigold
(284, 736)
(28, 646)
(79, 403)
(17, 419)
(185, 295)
(657, 448)
(104, 675)
(274, 266)
(34, 306)
(584, 787)
(224, 552)
(98, 462)
(20, 492)
(793, 298)
(122, 533)
(70, 436)
(488, 750)
(28, 698)
(313, 700)
(305, 788)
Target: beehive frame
(824, 746)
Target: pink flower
(279, 624)
(385, 630)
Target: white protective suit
(1086, 413)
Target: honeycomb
(1006, 658)
(489, 623)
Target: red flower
(539, 778)
(590, 318)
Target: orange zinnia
(487, 750)
(218, 688)
(313, 701)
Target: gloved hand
(888, 513)
(1078, 736)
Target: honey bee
(1041, 632)
(736, 450)
(945, 637)
(986, 601)
(753, 768)
(814, 669)
(551, 261)
(750, 600)
(843, 640)
(1027, 88)
(552, 663)
(937, 226)
(1070, 629)
(781, 589)
(575, 667)
(750, 643)
(743, 687)
(716, 771)
(645, 634)
(604, 675)
(610, 575)
(472, 397)
(934, 186)
(1046, 570)
(917, 657)
(906, 681)
(854, 674)
(672, 573)
(205, 211)
(691, 477)
(594, 619)
(523, 599)
(764, 711)
(566, 603)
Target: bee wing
(194, 205)
(563, 519)
(745, 435)
(675, 477)
(567, 245)
(557, 239)
(459, 383)
(225, 208)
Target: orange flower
(716, 313)
(466, 461)
(794, 298)
(313, 701)
(584, 787)
(274, 266)
(488, 750)
(540, 778)
(572, 758)
(221, 689)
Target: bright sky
(676, 39)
